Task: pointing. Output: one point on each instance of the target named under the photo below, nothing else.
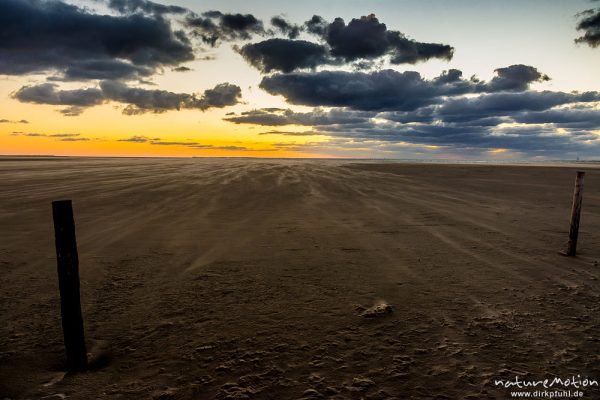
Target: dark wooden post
(68, 279)
(575, 214)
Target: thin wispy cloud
(10, 121)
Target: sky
(410, 79)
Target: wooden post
(68, 279)
(575, 214)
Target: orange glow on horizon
(104, 131)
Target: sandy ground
(243, 279)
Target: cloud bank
(391, 111)
(137, 100)
(54, 37)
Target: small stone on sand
(378, 310)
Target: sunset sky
(422, 79)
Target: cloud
(52, 36)
(516, 77)
(386, 89)
(284, 55)
(390, 112)
(159, 143)
(493, 109)
(290, 133)
(74, 139)
(389, 89)
(222, 95)
(10, 121)
(292, 31)
(102, 69)
(138, 139)
(134, 6)
(280, 117)
(63, 137)
(138, 100)
(142, 100)
(215, 26)
(507, 104)
(589, 23)
(27, 134)
(189, 144)
(564, 118)
(46, 93)
(359, 43)
(72, 111)
(530, 140)
(367, 38)
(316, 25)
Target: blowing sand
(243, 279)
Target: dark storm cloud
(508, 104)
(522, 139)
(564, 118)
(359, 43)
(279, 117)
(292, 31)
(421, 115)
(449, 76)
(367, 38)
(284, 55)
(143, 100)
(47, 93)
(138, 100)
(589, 23)
(103, 69)
(215, 26)
(46, 36)
(496, 108)
(515, 77)
(555, 109)
(316, 25)
(222, 95)
(374, 91)
(389, 89)
(241, 23)
(403, 109)
(150, 7)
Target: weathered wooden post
(575, 214)
(68, 280)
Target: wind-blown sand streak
(235, 279)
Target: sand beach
(255, 279)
